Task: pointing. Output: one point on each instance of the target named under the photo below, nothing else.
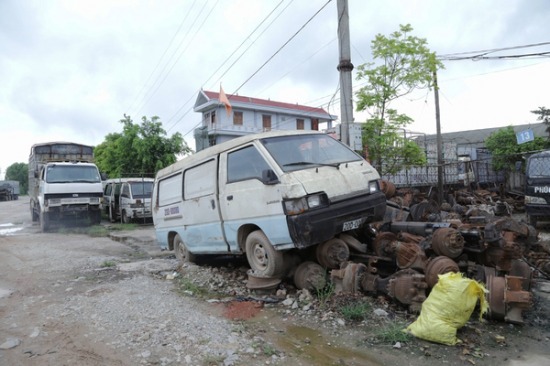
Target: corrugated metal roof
(478, 137)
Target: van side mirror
(269, 177)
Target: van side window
(245, 164)
(200, 180)
(125, 191)
(170, 190)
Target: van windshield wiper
(300, 163)
(334, 165)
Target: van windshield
(306, 151)
(142, 189)
(539, 166)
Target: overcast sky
(70, 70)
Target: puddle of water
(312, 346)
(5, 292)
(308, 346)
(9, 229)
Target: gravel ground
(72, 299)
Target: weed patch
(356, 311)
(392, 332)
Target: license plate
(350, 225)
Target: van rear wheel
(125, 217)
(263, 259)
(182, 253)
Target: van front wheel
(263, 259)
(182, 253)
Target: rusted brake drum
(448, 242)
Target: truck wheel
(34, 216)
(44, 222)
(263, 259)
(182, 253)
(125, 218)
(95, 217)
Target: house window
(213, 118)
(206, 119)
(238, 118)
(299, 124)
(315, 124)
(266, 122)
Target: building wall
(223, 128)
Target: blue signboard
(525, 136)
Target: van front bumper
(316, 226)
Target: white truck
(64, 184)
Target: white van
(128, 199)
(264, 194)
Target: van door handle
(213, 204)
(229, 198)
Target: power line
(227, 59)
(482, 53)
(272, 56)
(253, 42)
(280, 48)
(153, 91)
(163, 54)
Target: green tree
(544, 116)
(505, 150)
(404, 64)
(20, 173)
(139, 150)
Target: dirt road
(73, 299)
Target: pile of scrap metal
(402, 256)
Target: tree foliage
(20, 173)
(140, 150)
(505, 150)
(404, 64)
(544, 116)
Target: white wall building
(247, 115)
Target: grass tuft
(356, 311)
(393, 332)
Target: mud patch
(242, 310)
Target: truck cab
(537, 187)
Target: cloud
(69, 70)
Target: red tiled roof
(265, 102)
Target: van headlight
(535, 200)
(299, 205)
(373, 186)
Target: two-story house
(251, 115)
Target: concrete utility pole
(344, 67)
(439, 143)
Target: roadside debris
(403, 256)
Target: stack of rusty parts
(404, 255)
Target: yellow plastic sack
(447, 308)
